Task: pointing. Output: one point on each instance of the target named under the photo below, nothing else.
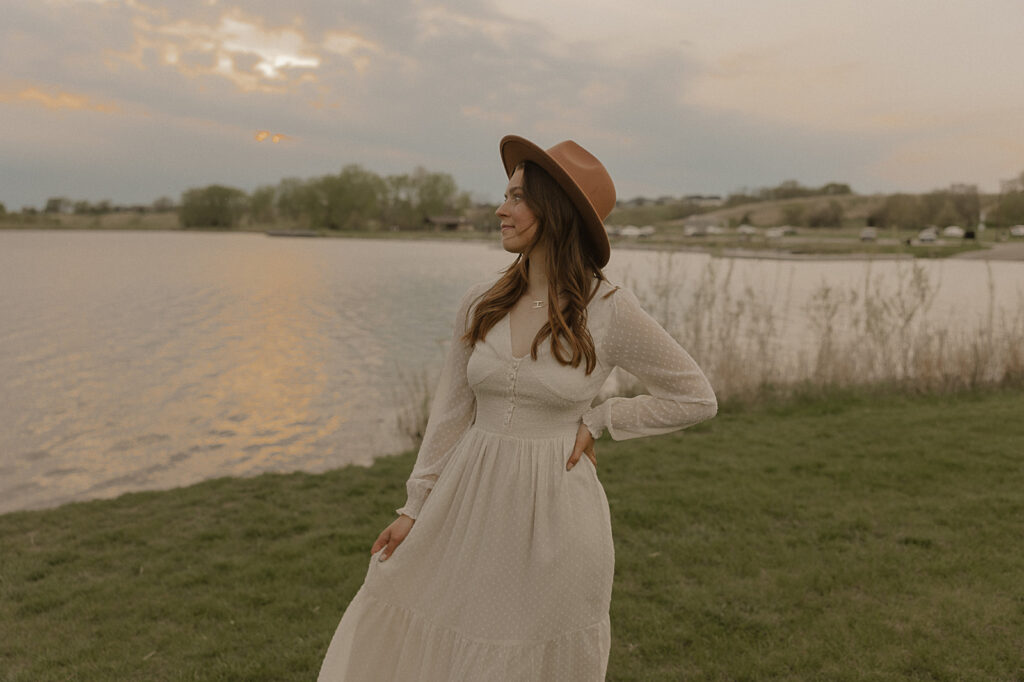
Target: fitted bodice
(486, 387)
(529, 398)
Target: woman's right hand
(392, 536)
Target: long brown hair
(570, 270)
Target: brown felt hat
(580, 174)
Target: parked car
(954, 231)
(928, 234)
(774, 233)
(868, 234)
(746, 230)
(634, 231)
(1017, 231)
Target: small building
(448, 223)
(705, 200)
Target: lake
(142, 360)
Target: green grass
(853, 537)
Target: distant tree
(261, 205)
(788, 189)
(3, 209)
(835, 188)
(163, 205)
(57, 205)
(351, 200)
(436, 192)
(292, 198)
(681, 209)
(82, 207)
(793, 214)
(400, 202)
(1010, 209)
(899, 211)
(826, 215)
(212, 206)
(943, 207)
(947, 214)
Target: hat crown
(587, 172)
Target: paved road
(1001, 251)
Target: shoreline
(998, 251)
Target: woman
(499, 566)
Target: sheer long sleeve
(680, 394)
(451, 413)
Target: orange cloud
(275, 137)
(56, 100)
(256, 58)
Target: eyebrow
(513, 189)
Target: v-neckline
(508, 331)
(508, 336)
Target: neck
(537, 287)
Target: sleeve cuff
(417, 495)
(408, 512)
(594, 420)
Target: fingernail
(568, 467)
(382, 556)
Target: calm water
(133, 360)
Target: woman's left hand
(584, 446)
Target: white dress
(507, 573)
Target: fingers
(392, 544)
(584, 445)
(382, 540)
(573, 458)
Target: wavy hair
(571, 270)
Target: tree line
(354, 199)
(962, 207)
(788, 189)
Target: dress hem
(426, 622)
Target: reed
(758, 343)
(412, 398)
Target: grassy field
(859, 536)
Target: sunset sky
(129, 101)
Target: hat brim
(515, 149)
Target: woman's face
(518, 222)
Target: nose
(500, 211)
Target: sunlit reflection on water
(132, 361)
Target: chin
(511, 248)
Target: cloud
(703, 98)
(57, 100)
(237, 47)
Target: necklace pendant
(538, 304)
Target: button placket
(511, 376)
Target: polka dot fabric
(507, 572)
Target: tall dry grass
(759, 342)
